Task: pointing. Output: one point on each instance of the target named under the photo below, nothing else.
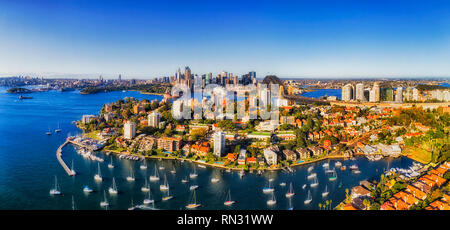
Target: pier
(63, 164)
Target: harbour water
(322, 92)
(28, 165)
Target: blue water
(322, 92)
(28, 165)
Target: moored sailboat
(98, 176)
(193, 203)
(228, 201)
(105, 202)
(325, 193)
(155, 177)
(55, 190)
(308, 198)
(272, 200)
(290, 193)
(113, 188)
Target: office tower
(415, 94)
(129, 130)
(372, 95)
(154, 119)
(178, 75)
(120, 77)
(399, 95)
(236, 80)
(389, 94)
(409, 94)
(264, 97)
(376, 89)
(360, 92)
(219, 143)
(347, 92)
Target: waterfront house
(303, 153)
(290, 155)
(251, 160)
(242, 156)
(231, 157)
(316, 150)
(416, 192)
(359, 191)
(170, 144)
(270, 156)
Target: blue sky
(288, 38)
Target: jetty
(63, 164)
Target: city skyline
(303, 39)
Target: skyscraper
(347, 92)
(154, 119)
(219, 143)
(129, 130)
(399, 95)
(360, 92)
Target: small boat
(72, 170)
(304, 186)
(143, 166)
(105, 202)
(98, 176)
(312, 176)
(86, 189)
(155, 177)
(241, 173)
(326, 165)
(193, 187)
(55, 190)
(193, 203)
(193, 174)
(228, 201)
(343, 168)
(309, 198)
(310, 168)
(164, 186)
(132, 205)
(354, 167)
(173, 171)
(113, 188)
(356, 171)
(131, 178)
(269, 188)
(325, 193)
(314, 183)
(215, 180)
(272, 200)
(161, 167)
(185, 180)
(58, 129)
(338, 164)
(290, 193)
(202, 166)
(333, 177)
(167, 196)
(111, 165)
(282, 184)
(148, 200)
(228, 170)
(146, 187)
(48, 132)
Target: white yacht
(193, 174)
(111, 165)
(86, 189)
(148, 200)
(325, 193)
(315, 182)
(131, 178)
(269, 188)
(165, 186)
(272, 200)
(155, 177)
(98, 176)
(55, 190)
(309, 198)
(193, 187)
(290, 193)
(146, 187)
(105, 202)
(113, 188)
(143, 166)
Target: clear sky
(288, 38)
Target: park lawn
(93, 135)
(418, 154)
